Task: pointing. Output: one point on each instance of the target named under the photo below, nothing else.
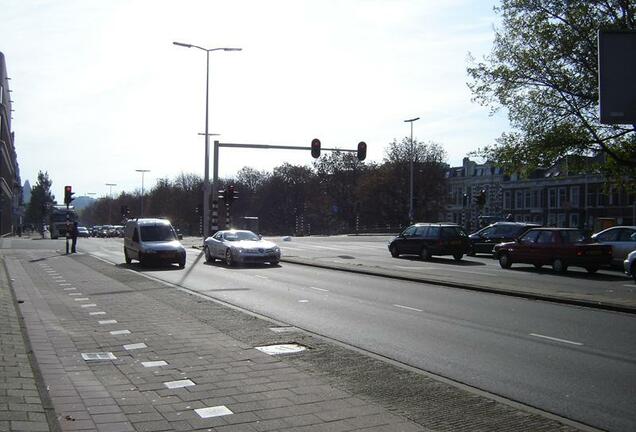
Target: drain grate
(98, 356)
(281, 349)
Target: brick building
(10, 185)
(556, 196)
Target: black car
(486, 238)
(428, 239)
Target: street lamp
(411, 171)
(110, 195)
(142, 171)
(206, 178)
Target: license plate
(168, 255)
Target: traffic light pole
(215, 173)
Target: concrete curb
(614, 307)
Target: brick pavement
(75, 305)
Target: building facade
(555, 196)
(10, 185)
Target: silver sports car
(237, 246)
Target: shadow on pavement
(578, 273)
(241, 266)
(447, 261)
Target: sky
(100, 91)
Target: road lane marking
(303, 301)
(261, 277)
(630, 286)
(319, 289)
(409, 308)
(556, 339)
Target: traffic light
(362, 151)
(315, 148)
(230, 194)
(68, 195)
(481, 198)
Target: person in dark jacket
(74, 237)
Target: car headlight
(241, 250)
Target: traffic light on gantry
(68, 195)
(315, 148)
(230, 194)
(362, 151)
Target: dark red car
(558, 247)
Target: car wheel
(394, 251)
(182, 262)
(425, 254)
(537, 266)
(505, 261)
(458, 256)
(273, 263)
(126, 257)
(142, 260)
(471, 252)
(208, 257)
(559, 266)
(591, 269)
(229, 259)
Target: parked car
(149, 240)
(622, 239)
(630, 265)
(240, 246)
(82, 231)
(558, 247)
(428, 239)
(486, 238)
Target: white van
(150, 240)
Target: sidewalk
(121, 352)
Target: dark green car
(429, 239)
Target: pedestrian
(74, 238)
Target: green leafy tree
(41, 199)
(543, 70)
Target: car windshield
(577, 236)
(157, 233)
(241, 235)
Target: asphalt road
(575, 362)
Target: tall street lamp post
(206, 178)
(110, 195)
(142, 171)
(411, 215)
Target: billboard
(617, 76)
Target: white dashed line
(319, 289)
(556, 339)
(407, 307)
(261, 277)
(303, 301)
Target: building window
(552, 198)
(507, 200)
(563, 196)
(591, 197)
(518, 199)
(574, 220)
(575, 200)
(552, 219)
(561, 219)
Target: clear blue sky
(99, 89)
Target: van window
(157, 233)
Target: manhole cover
(281, 349)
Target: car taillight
(580, 253)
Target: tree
(41, 199)
(429, 180)
(543, 69)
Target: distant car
(149, 240)
(622, 239)
(428, 239)
(83, 232)
(630, 265)
(484, 240)
(240, 246)
(558, 247)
